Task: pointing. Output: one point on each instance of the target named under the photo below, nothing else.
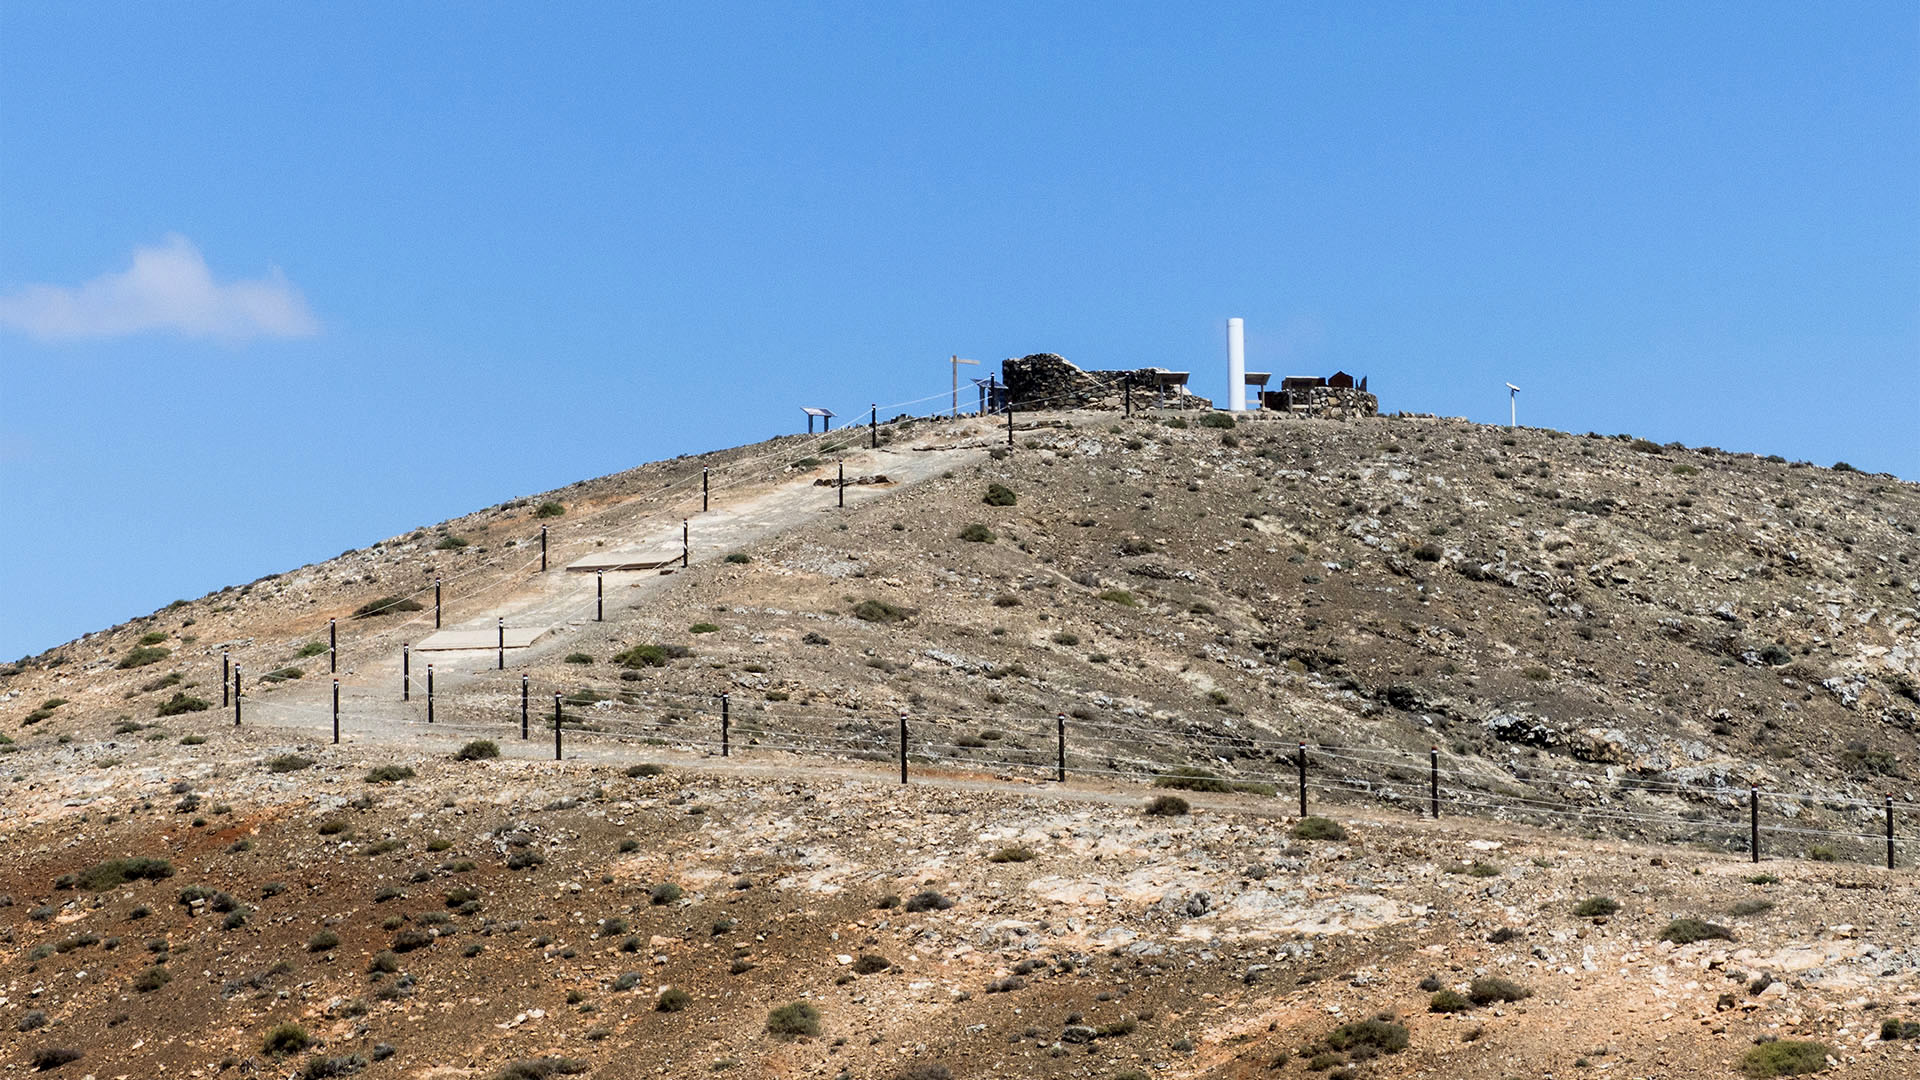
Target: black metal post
(1129, 395)
(543, 549)
(336, 712)
(1889, 832)
(726, 723)
(523, 706)
(501, 663)
(236, 695)
(1433, 763)
(1753, 804)
(703, 489)
(406, 673)
(1060, 758)
(599, 596)
(1009, 423)
(226, 677)
(873, 428)
(556, 727)
(429, 693)
(842, 485)
(436, 603)
(993, 391)
(333, 648)
(686, 544)
(903, 748)
(1303, 779)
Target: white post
(1513, 408)
(1236, 366)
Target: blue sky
(280, 280)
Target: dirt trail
(563, 602)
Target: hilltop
(1599, 645)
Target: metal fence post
(1889, 832)
(726, 722)
(1753, 805)
(903, 747)
(336, 712)
(686, 545)
(333, 648)
(436, 603)
(1060, 758)
(543, 549)
(523, 706)
(1303, 779)
(1433, 762)
(406, 673)
(429, 693)
(599, 596)
(236, 695)
(873, 427)
(1009, 422)
(1129, 395)
(842, 485)
(501, 625)
(703, 489)
(556, 727)
(226, 677)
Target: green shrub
(1750, 907)
(1167, 806)
(1189, 778)
(1489, 989)
(870, 964)
(1895, 1028)
(451, 543)
(323, 940)
(645, 769)
(142, 655)
(671, 1000)
(642, 656)
(153, 637)
(703, 628)
(664, 893)
(1594, 907)
(1121, 597)
(798, 1018)
(1217, 420)
(578, 658)
(384, 962)
(477, 750)
(879, 611)
(386, 605)
(977, 534)
(550, 510)
(181, 703)
(739, 558)
(284, 1039)
(1448, 1001)
(1787, 1057)
(152, 979)
(1688, 931)
(1016, 854)
(287, 763)
(116, 872)
(388, 774)
(1317, 828)
(1000, 495)
(192, 740)
(311, 648)
(1383, 1036)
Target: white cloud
(168, 288)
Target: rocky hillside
(1602, 637)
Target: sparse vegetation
(977, 534)
(1000, 495)
(478, 750)
(1167, 806)
(1594, 907)
(879, 611)
(1317, 828)
(549, 510)
(388, 774)
(1785, 1057)
(1686, 931)
(386, 605)
(796, 1019)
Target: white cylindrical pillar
(1236, 365)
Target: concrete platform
(626, 559)
(518, 637)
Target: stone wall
(1329, 402)
(1051, 381)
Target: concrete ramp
(518, 637)
(627, 559)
